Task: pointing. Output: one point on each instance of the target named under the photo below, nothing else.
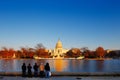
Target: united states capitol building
(58, 51)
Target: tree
(73, 53)
(42, 53)
(18, 54)
(4, 52)
(24, 52)
(84, 49)
(40, 46)
(87, 53)
(11, 52)
(100, 52)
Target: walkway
(62, 78)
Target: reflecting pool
(66, 65)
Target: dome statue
(59, 44)
(59, 51)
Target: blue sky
(78, 23)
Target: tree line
(41, 51)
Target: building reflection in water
(60, 65)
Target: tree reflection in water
(100, 65)
(63, 65)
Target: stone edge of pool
(67, 74)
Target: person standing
(47, 70)
(23, 70)
(42, 73)
(29, 70)
(35, 67)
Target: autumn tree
(87, 53)
(84, 49)
(40, 46)
(73, 53)
(24, 52)
(30, 53)
(100, 52)
(18, 54)
(7, 53)
(11, 52)
(4, 52)
(41, 51)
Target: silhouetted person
(41, 67)
(29, 70)
(47, 70)
(35, 67)
(23, 70)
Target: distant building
(59, 51)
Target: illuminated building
(59, 51)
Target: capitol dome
(59, 44)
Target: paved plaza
(62, 78)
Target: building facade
(59, 51)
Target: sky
(77, 23)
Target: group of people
(41, 70)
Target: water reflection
(100, 65)
(85, 66)
(12, 65)
(5, 64)
(60, 65)
(73, 66)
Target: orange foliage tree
(27, 52)
(24, 52)
(73, 53)
(41, 51)
(7, 53)
(18, 54)
(100, 52)
(11, 52)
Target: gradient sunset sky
(78, 23)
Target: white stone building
(59, 51)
